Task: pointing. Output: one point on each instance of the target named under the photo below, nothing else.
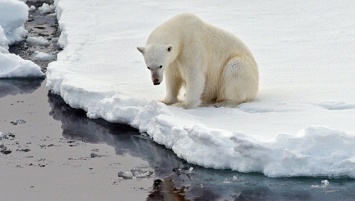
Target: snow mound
(41, 41)
(32, 8)
(300, 125)
(45, 8)
(13, 66)
(42, 56)
(12, 17)
(325, 184)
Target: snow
(45, 8)
(324, 182)
(41, 41)
(135, 173)
(13, 15)
(13, 66)
(32, 8)
(42, 56)
(302, 121)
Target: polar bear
(213, 65)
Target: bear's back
(187, 29)
(175, 27)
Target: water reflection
(18, 86)
(175, 178)
(125, 139)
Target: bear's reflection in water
(125, 140)
(178, 180)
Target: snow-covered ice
(13, 66)
(325, 183)
(302, 121)
(41, 41)
(135, 173)
(13, 15)
(45, 8)
(42, 56)
(32, 8)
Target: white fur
(213, 65)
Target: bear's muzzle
(156, 81)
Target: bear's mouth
(156, 83)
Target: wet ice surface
(70, 147)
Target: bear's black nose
(156, 82)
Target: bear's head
(157, 58)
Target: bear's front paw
(190, 105)
(169, 101)
(182, 105)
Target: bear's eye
(160, 66)
(148, 68)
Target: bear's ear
(169, 48)
(141, 49)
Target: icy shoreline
(282, 134)
(67, 143)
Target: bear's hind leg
(239, 84)
(226, 103)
